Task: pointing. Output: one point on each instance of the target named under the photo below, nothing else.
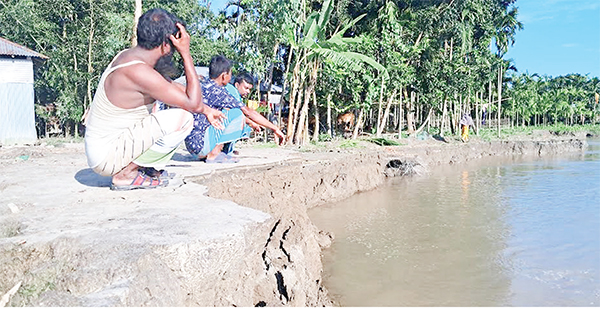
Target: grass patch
(10, 227)
(325, 138)
(318, 144)
(38, 285)
(564, 129)
(381, 141)
(489, 134)
(266, 145)
(349, 144)
(60, 141)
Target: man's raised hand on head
(181, 40)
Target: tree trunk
(443, 118)
(307, 94)
(410, 117)
(305, 137)
(302, 117)
(136, 17)
(369, 120)
(297, 79)
(396, 113)
(317, 123)
(329, 129)
(511, 115)
(426, 121)
(452, 116)
(386, 114)
(477, 101)
(379, 115)
(489, 112)
(401, 117)
(359, 123)
(90, 68)
(459, 113)
(294, 113)
(270, 81)
(418, 111)
(286, 81)
(499, 96)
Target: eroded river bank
(69, 241)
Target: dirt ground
(219, 235)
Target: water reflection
(515, 232)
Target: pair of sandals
(146, 178)
(150, 178)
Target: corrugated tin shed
(17, 94)
(8, 48)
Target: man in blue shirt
(234, 91)
(243, 84)
(207, 142)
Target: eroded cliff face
(292, 254)
(75, 243)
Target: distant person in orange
(465, 122)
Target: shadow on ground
(89, 178)
(183, 157)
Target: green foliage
(558, 129)
(566, 99)
(325, 138)
(262, 109)
(383, 141)
(265, 145)
(349, 144)
(437, 50)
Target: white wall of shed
(16, 70)
(17, 113)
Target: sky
(559, 37)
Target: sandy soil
(219, 235)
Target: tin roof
(8, 48)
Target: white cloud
(570, 45)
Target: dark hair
(244, 76)
(154, 28)
(218, 65)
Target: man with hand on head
(123, 138)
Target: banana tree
(315, 47)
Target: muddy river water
(492, 232)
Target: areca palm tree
(506, 28)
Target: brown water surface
(494, 232)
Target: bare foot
(126, 176)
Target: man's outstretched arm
(262, 121)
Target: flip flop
(222, 158)
(152, 172)
(141, 181)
